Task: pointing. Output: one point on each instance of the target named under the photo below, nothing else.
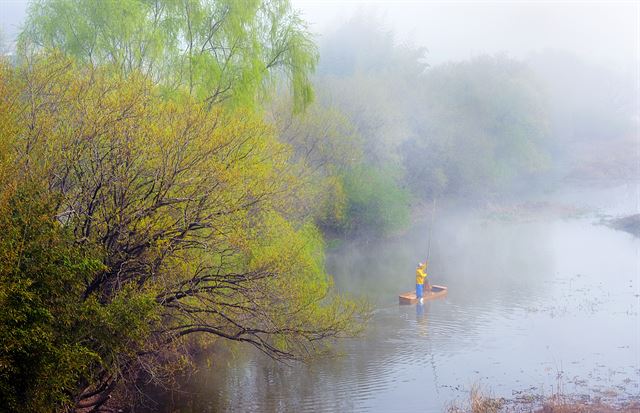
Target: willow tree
(188, 209)
(216, 50)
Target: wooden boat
(437, 291)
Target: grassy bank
(481, 400)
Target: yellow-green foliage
(52, 341)
(188, 208)
(375, 201)
(302, 288)
(217, 51)
(341, 192)
(333, 209)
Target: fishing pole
(433, 216)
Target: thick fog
(497, 141)
(605, 31)
(12, 15)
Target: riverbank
(497, 326)
(482, 401)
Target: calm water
(534, 301)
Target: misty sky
(607, 31)
(457, 30)
(12, 13)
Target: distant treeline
(488, 126)
(168, 177)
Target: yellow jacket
(421, 273)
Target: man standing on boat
(421, 276)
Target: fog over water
(522, 120)
(542, 301)
(543, 296)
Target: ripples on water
(531, 304)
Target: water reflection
(529, 301)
